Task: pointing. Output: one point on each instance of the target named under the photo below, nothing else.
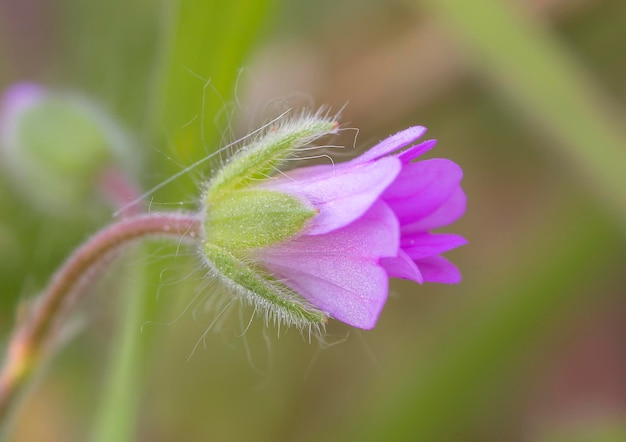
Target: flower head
(333, 235)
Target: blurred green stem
(549, 86)
(120, 396)
(35, 334)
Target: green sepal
(254, 218)
(261, 158)
(278, 301)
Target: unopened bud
(55, 146)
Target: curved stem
(31, 337)
(116, 414)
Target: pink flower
(375, 214)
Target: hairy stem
(31, 338)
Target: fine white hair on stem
(177, 318)
(202, 338)
(313, 157)
(278, 120)
(246, 344)
(369, 352)
(207, 84)
(191, 167)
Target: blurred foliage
(527, 96)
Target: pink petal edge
(403, 267)
(447, 213)
(391, 144)
(439, 269)
(421, 188)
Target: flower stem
(32, 337)
(118, 398)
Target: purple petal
(402, 266)
(339, 272)
(391, 144)
(413, 152)
(421, 245)
(17, 98)
(341, 194)
(438, 269)
(421, 188)
(21, 94)
(448, 213)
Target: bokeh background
(527, 96)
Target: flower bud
(55, 146)
(323, 241)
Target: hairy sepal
(261, 158)
(280, 304)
